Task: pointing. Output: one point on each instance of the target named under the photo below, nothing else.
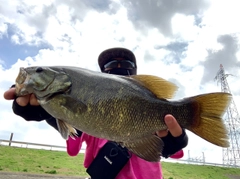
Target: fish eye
(39, 69)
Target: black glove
(29, 112)
(174, 144)
(33, 113)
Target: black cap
(108, 55)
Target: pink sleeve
(74, 145)
(178, 155)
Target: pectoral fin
(65, 129)
(149, 148)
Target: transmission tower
(231, 155)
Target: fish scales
(105, 107)
(111, 108)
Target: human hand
(28, 107)
(174, 138)
(23, 100)
(173, 127)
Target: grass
(13, 159)
(187, 171)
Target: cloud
(3, 29)
(158, 14)
(176, 51)
(225, 56)
(100, 6)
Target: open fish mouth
(21, 83)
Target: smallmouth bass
(127, 110)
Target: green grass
(186, 171)
(13, 159)
(16, 159)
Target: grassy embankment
(14, 159)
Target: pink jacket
(136, 168)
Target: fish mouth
(31, 80)
(21, 83)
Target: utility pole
(231, 155)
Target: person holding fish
(103, 158)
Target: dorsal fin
(159, 86)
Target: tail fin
(209, 124)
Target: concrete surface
(19, 175)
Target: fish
(127, 110)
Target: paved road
(11, 175)
(234, 176)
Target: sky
(182, 41)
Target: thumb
(9, 94)
(173, 126)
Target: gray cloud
(148, 56)
(226, 57)
(101, 6)
(159, 13)
(144, 14)
(80, 8)
(34, 19)
(27, 14)
(38, 18)
(177, 50)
